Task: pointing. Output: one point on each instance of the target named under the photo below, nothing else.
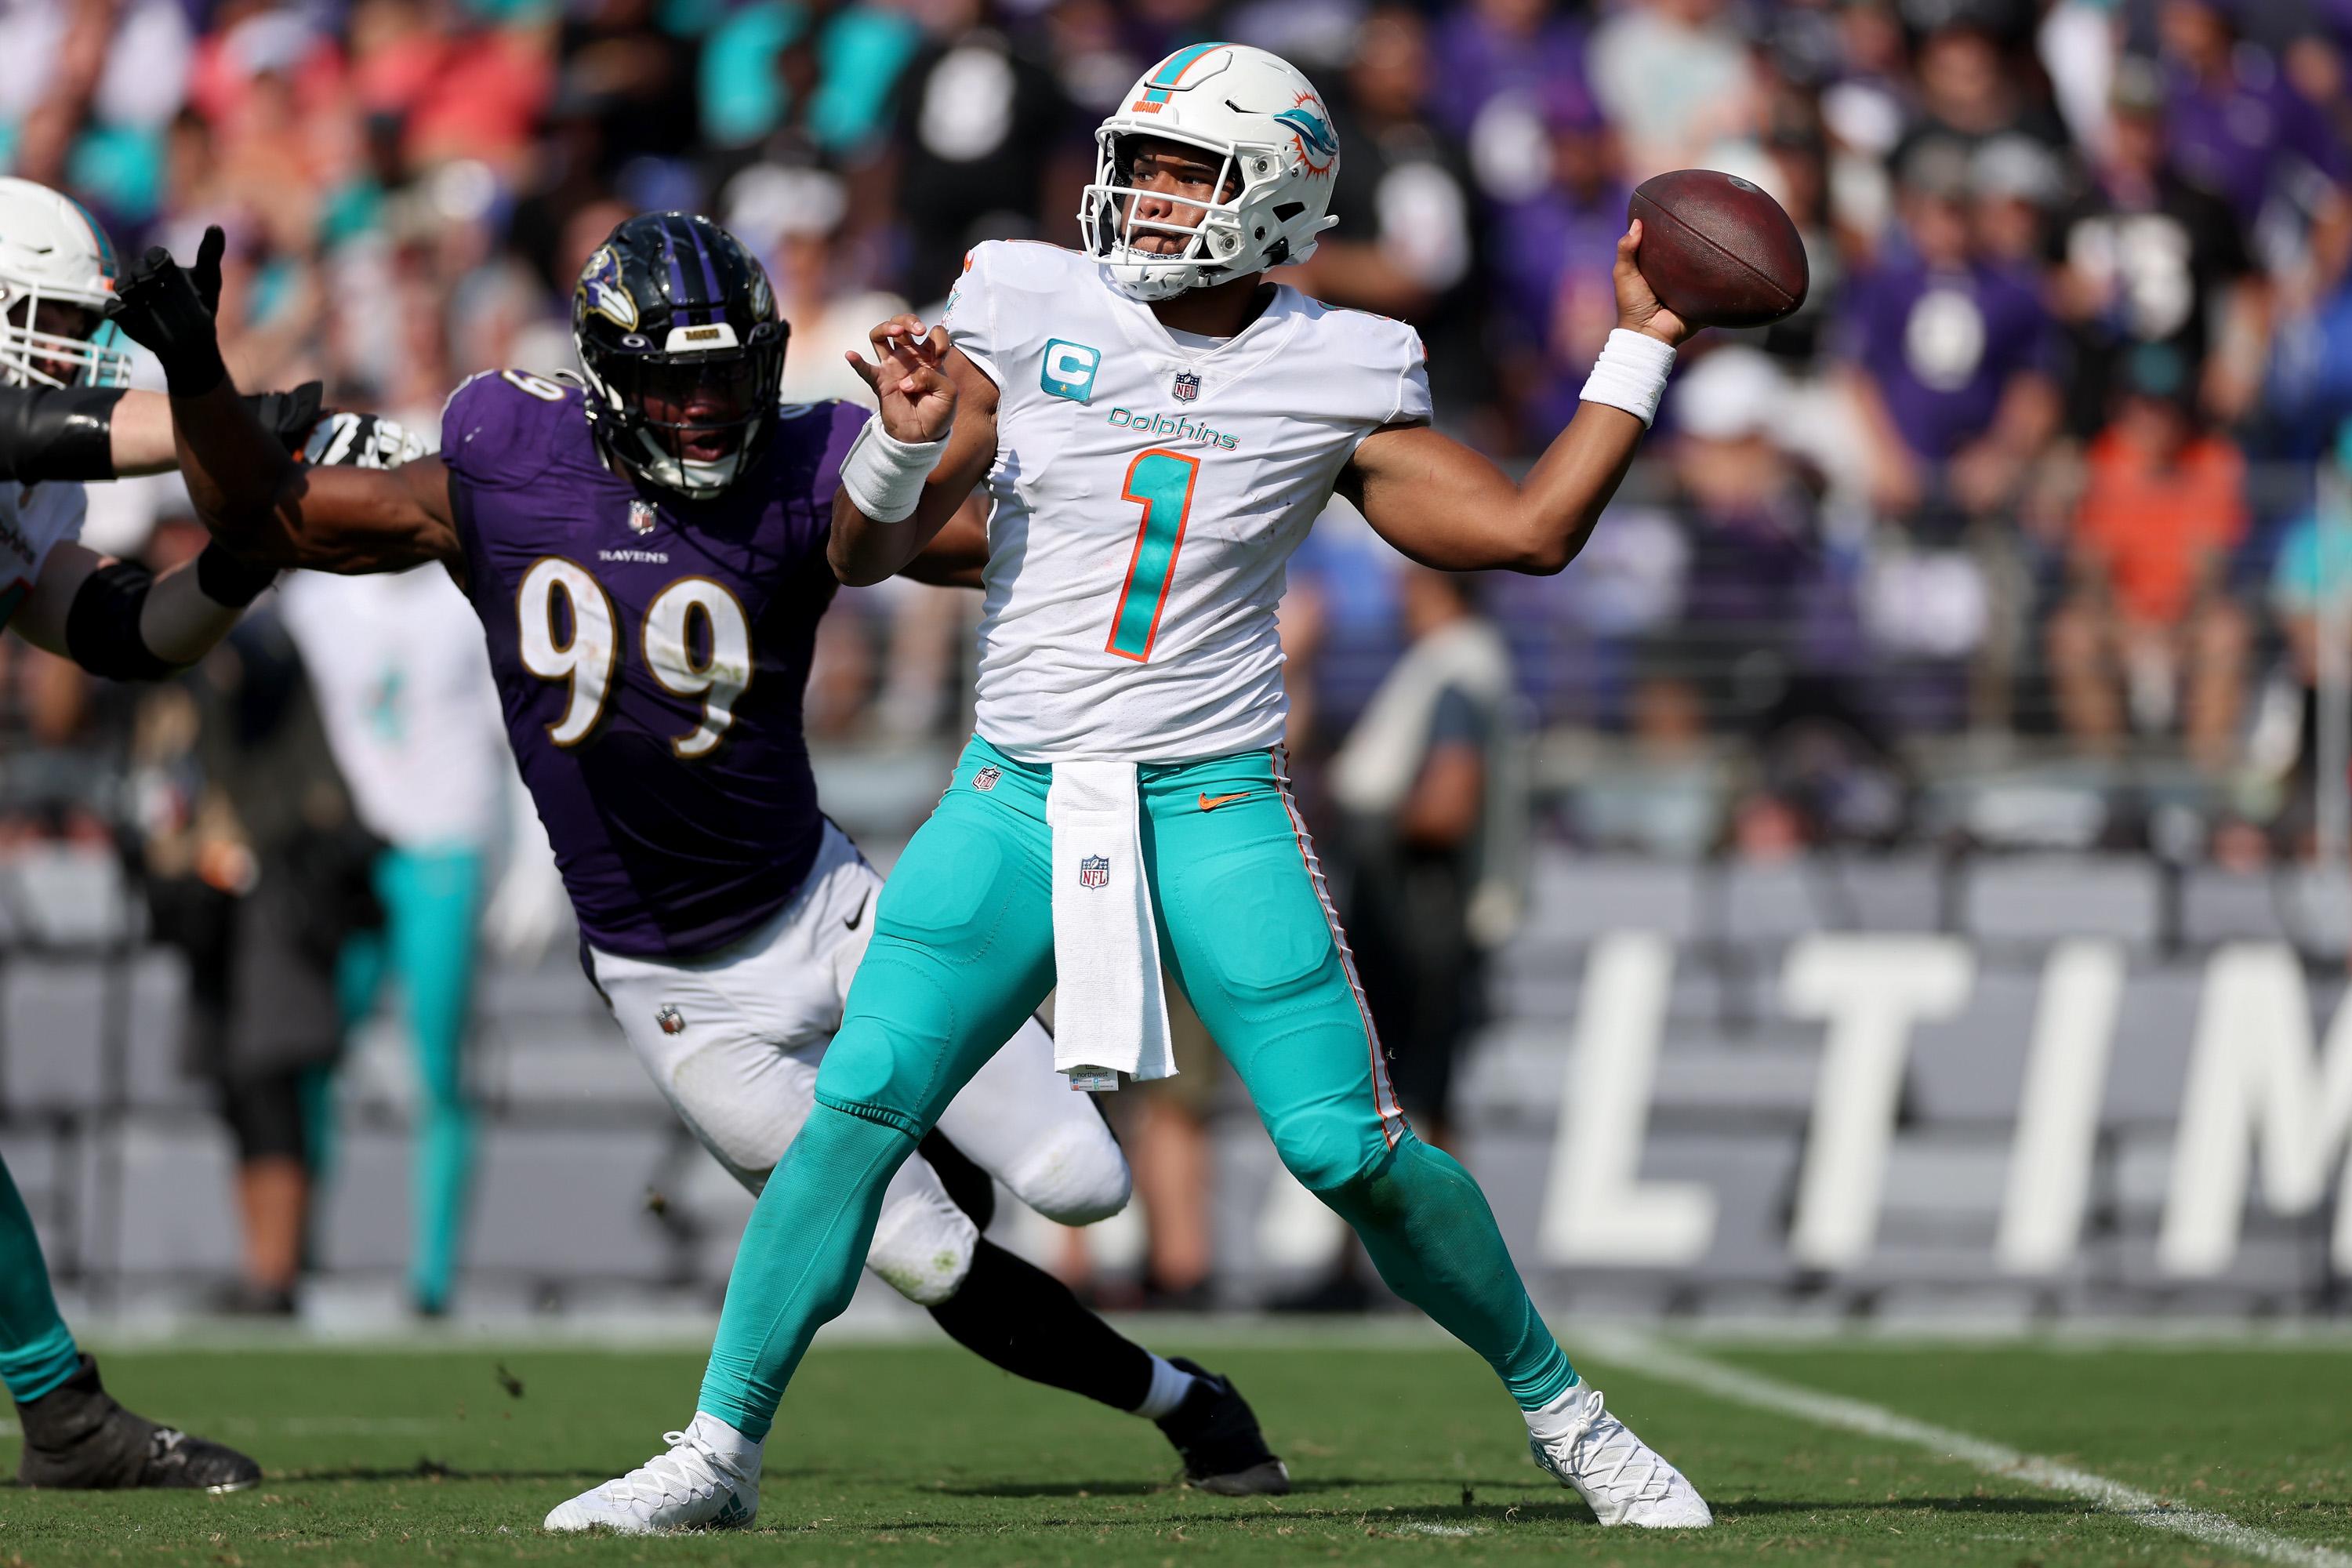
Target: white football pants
(734, 1041)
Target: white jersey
(404, 686)
(1148, 495)
(33, 521)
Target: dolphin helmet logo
(1318, 144)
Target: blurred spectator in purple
(1761, 577)
(2146, 259)
(1771, 638)
(2239, 128)
(1406, 240)
(1552, 259)
(1947, 357)
(1495, 65)
(1097, 63)
(1676, 78)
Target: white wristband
(1631, 373)
(884, 475)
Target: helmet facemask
(691, 422)
(35, 352)
(1108, 220)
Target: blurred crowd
(2045, 456)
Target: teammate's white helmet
(51, 250)
(1260, 115)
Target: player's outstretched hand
(1637, 308)
(917, 397)
(169, 309)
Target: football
(1717, 251)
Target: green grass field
(1401, 1452)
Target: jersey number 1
(587, 658)
(1162, 482)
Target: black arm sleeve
(102, 623)
(57, 433)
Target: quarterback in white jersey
(1150, 633)
(1158, 424)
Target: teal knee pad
(889, 1062)
(1332, 1152)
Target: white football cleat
(1624, 1479)
(709, 1479)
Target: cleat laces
(1601, 1452)
(671, 1474)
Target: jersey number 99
(587, 656)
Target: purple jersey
(2241, 139)
(1943, 345)
(650, 653)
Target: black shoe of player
(78, 1438)
(1216, 1432)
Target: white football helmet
(1260, 115)
(52, 249)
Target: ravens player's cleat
(77, 1438)
(1217, 1433)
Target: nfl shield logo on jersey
(985, 780)
(671, 1020)
(1094, 870)
(1188, 385)
(642, 517)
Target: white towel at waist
(1110, 1011)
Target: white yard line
(1640, 1353)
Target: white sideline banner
(2263, 1124)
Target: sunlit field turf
(1400, 1452)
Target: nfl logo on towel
(1188, 385)
(1094, 870)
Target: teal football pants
(36, 1351)
(963, 951)
(432, 902)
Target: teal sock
(798, 1261)
(431, 897)
(1430, 1234)
(37, 1349)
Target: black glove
(289, 415)
(169, 309)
